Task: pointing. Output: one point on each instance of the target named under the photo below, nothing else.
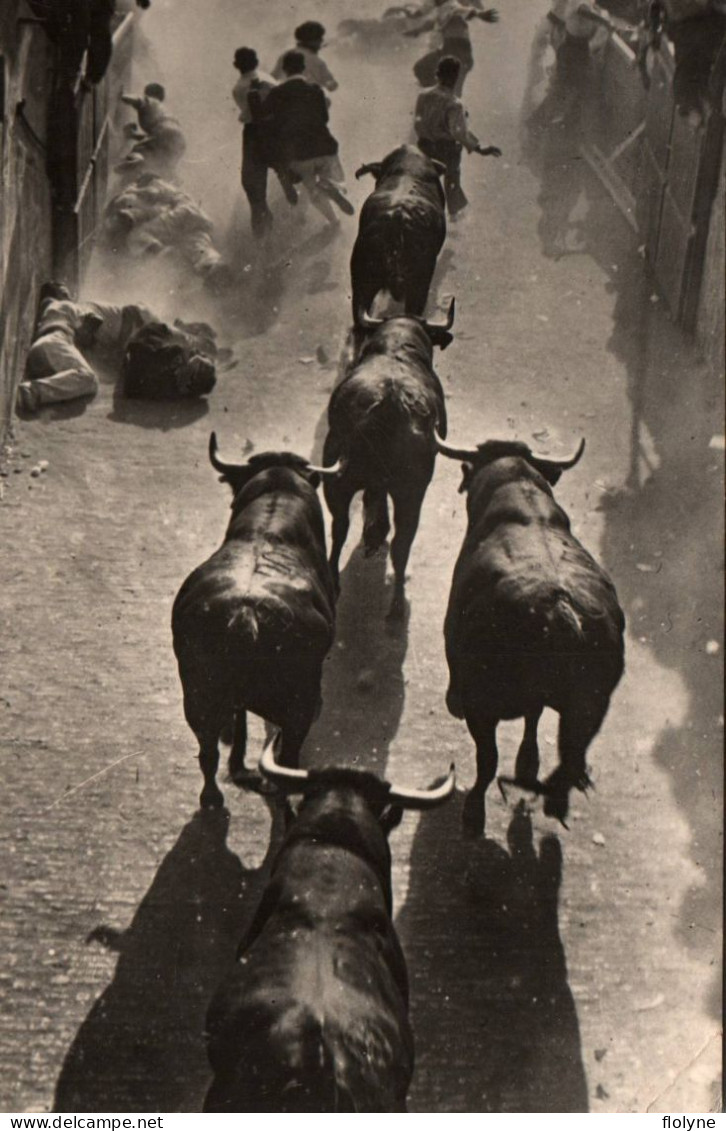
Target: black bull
(252, 625)
(382, 420)
(533, 622)
(315, 1015)
(401, 231)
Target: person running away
(441, 126)
(296, 115)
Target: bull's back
(310, 1018)
(247, 592)
(384, 419)
(530, 610)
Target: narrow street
(551, 970)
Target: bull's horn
(334, 469)
(364, 321)
(285, 777)
(454, 453)
(448, 321)
(566, 463)
(216, 463)
(423, 798)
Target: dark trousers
(254, 179)
(449, 153)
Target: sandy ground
(551, 970)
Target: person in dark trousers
(296, 115)
(442, 130)
(256, 155)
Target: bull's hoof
(584, 782)
(252, 781)
(557, 805)
(473, 817)
(211, 797)
(397, 609)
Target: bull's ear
(391, 818)
(551, 474)
(289, 812)
(374, 168)
(443, 339)
(466, 473)
(550, 471)
(438, 166)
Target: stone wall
(710, 329)
(25, 207)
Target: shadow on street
(495, 1021)
(663, 536)
(141, 1047)
(663, 540)
(163, 415)
(363, 689)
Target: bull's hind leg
(211, 796)
(376, 523)
(338, 496)
(484, 733)
(527, 764)
(406, 514)
(238, 772)
(579, 723)
(296, 726)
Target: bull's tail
(244, 631)
(376, 520)
(375, 435)
(313, 1083)
(244, 623)
(561, 617)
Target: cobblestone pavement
(551, 970)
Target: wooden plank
(606, 174)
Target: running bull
(382, 421)
(315, 1015)
(533, 622)
(252, 625)
(401, 231)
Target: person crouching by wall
(55, 368)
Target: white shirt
(315, 69)
(241, 89)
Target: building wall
(25, 205)
(710, 328)
(47, 221)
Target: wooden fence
(663, 174)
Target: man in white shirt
(309, 38)
(254, 155)
(56, 368)
(441, 127)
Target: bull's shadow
(363, 688)
(494, 1017)
(141, 1046)
(669, 520)
(164, 415)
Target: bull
(253, 624)
(382, 420)
(315, 1015)
(401, 231)
(532, 622)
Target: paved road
(551, 971)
